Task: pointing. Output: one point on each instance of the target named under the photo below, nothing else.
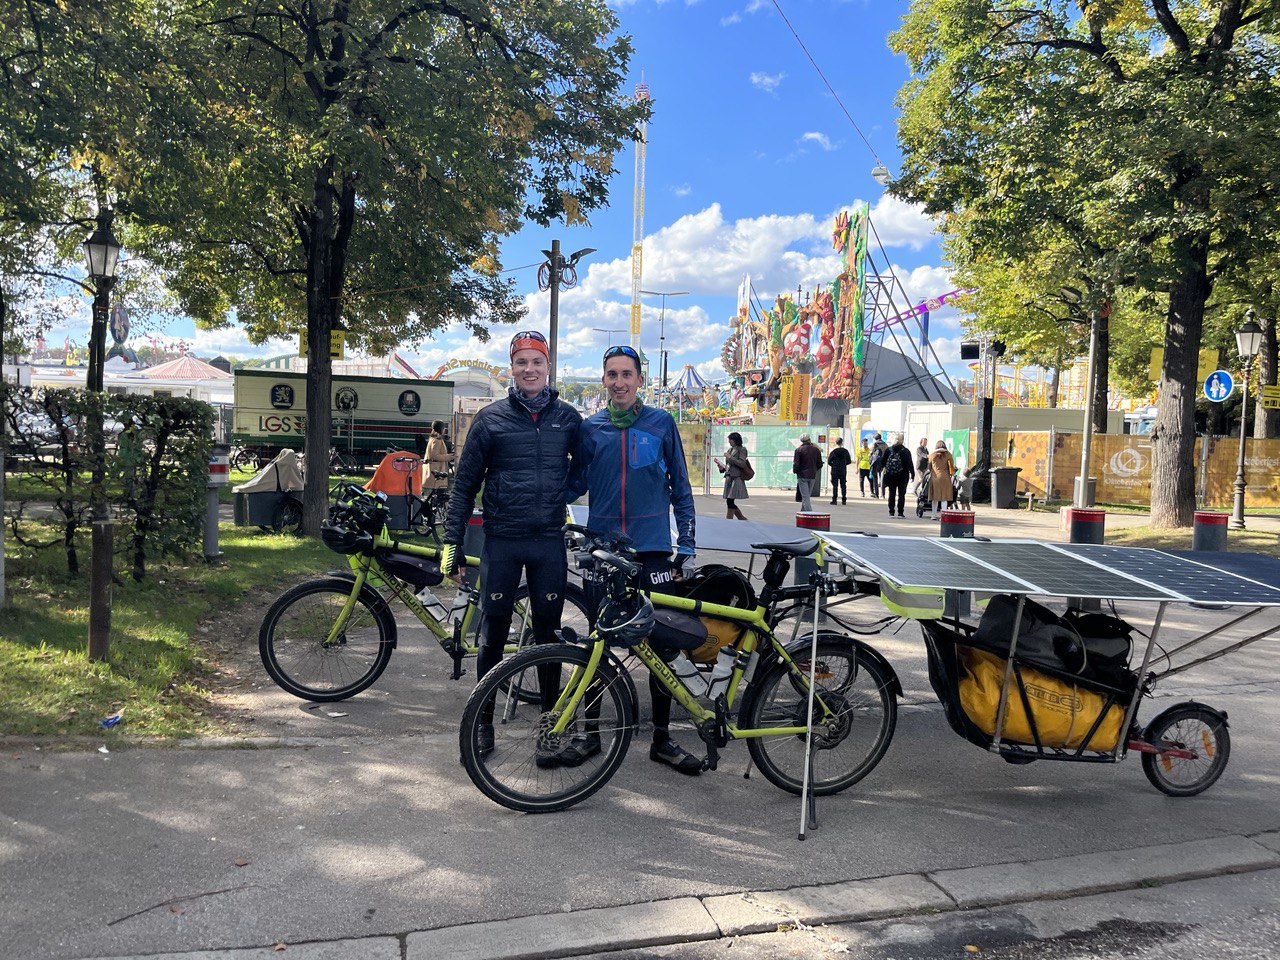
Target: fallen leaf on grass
(241, 862)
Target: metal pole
(662, 340)
(1082, 498)
(806, 798)
(1237, 512)
(555, 307)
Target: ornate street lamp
(555, 273)
(1248, 341)
(101, 254)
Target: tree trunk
(325, 234)
(1055, 384)
(1101, 373)
(1266, 423)
(1173, 491)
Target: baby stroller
(959, 492)
(923, 503)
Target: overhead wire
(847, 114)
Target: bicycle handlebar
(617, 562)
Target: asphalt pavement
(349, 830)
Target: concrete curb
(691, 919)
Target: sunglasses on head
(528, 335)
(621, 351)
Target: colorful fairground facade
(784, 360)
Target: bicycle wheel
(573, 616)
(1198, 729)
(344, 464)
(295, 649)
(288, 518)
(847, 746)
(523, 771)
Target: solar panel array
(1197, 580)
(1057, 570)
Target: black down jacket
(523, 465)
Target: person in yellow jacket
(864, 466)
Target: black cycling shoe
(580, 749)
(674, 755)
(484, 740)
(546, 758)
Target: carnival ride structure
(797, 352)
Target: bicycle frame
(367, 570)
(756, 623)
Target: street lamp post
(662, 325)
(610, 331)
(102, 254)
(1248, 340)
(554, 272)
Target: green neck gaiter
(624, 418)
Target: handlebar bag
(415, 570)
(674, 630)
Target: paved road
(366, 826)
(1226, 917)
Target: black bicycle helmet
(625, 621)
(345, 539)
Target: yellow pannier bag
(1063, 712)
(720, 633)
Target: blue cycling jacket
(635, 475)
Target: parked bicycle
(331, 637)
(582, 693)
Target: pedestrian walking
(736, 467)
(520, 450)
(878, 447)
(922, 464)
(633, 468)
(838, 460)
(438, 458)
(864, 466)
(942, 467)
(898, 472)
(805, 464)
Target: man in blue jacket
(631, 462)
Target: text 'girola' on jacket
(636, 474)
(523, 464)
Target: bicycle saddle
(795, 548)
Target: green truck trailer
(369, 414)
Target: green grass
(157, 670)
(1242, 541)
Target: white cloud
(232, 341)
(756, 5)
(682, 190)
(768, 82)
(731, 19)
(901, 224)
(821, 139)
(713, 370)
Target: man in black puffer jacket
(520, 450)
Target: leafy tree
(331, 162)
(1170, 104)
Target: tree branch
(1177, 36)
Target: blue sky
(749, 160)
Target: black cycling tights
(655, 576)
(546, 568)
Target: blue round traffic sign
(1218, 386)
